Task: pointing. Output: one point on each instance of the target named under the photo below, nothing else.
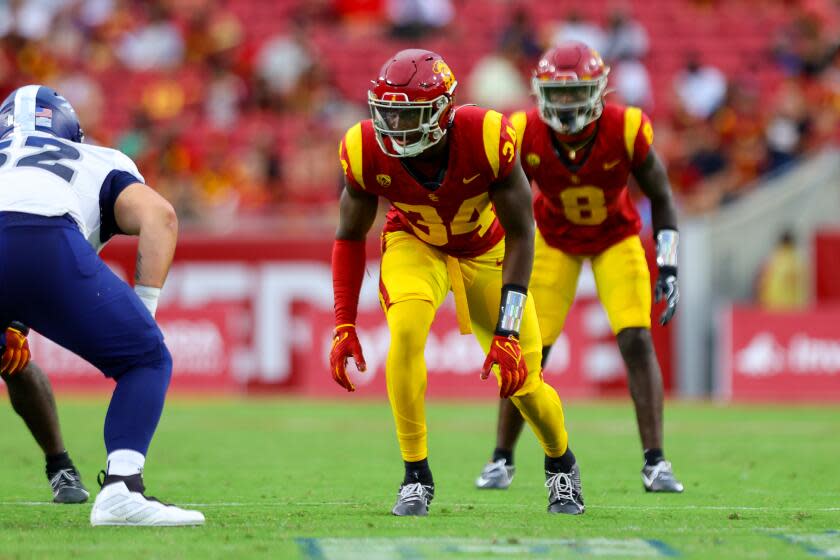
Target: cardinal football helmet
(570, 81)
(411, 102)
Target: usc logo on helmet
(440, 67)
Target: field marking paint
(507, 507)
(415, 548)
(824, 545)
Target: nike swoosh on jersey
(611, 164)
(471, 179)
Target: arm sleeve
(348, 269)
(114, 184)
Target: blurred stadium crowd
(233, 108)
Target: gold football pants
(414, 282)
(621, 278)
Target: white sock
(125, 462)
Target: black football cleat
(414, 499)
(565, 494)
(67, 486)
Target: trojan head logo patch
(532, 159)
(442, 69)
(384, 180)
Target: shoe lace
(561, 487)
(64, 478)
(412, 491)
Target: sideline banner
(198, 339)
(250, 292)
(779, 356)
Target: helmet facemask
(407, 128)
(568, 106)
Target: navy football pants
(53, 281)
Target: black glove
(667, 290)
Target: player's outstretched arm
(141, 211)
(653, 180)
(357, 212)
(512, 198)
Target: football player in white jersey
(59, 199)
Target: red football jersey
(457, 217)
(586, 208)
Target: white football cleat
(495, 475)
(660, 478)
(116, 504)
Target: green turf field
(301, 479)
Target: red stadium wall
(256, 314)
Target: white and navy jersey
(48, 176)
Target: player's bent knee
(532, 384)
(159, 363)
(163, 367)
(166, 362)
(408, 328)
(635, 341)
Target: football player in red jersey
(454, 181)
(580, 151)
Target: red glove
(505, 351)
(16, 352)
(345, 345)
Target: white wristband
(149, 296)
(667, 242)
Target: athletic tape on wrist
(667, 241)
(149, 296)
(511, 310)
